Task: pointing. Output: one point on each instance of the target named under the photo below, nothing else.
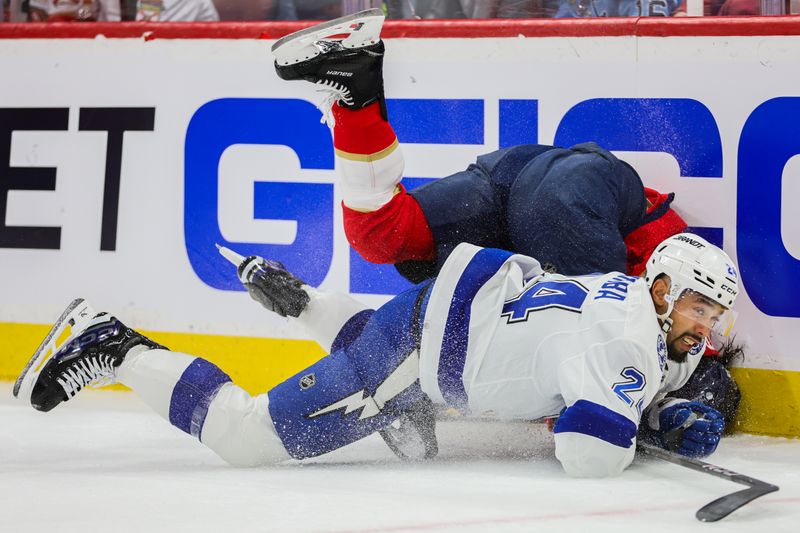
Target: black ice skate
(82, 349)
(413, 436)
(269, 283)
(343, 56)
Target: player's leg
(571, 209)
(191, 393)
(358, 390)
(470, 206)
(336, 321)
(376, 375)
(200, 399)
(345, 58)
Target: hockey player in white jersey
(492, 332)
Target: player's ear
(659, 291)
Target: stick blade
(234, 258)
(722, 507)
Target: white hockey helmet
(694, 264)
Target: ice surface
(104, 462)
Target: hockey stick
(721, 507)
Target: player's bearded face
(693, 318)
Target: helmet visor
(696, 309)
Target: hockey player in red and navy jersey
(577, 210)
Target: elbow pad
(584, 456)
(594, 441)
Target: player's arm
(605, 390)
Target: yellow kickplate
(770, 398)
(770, 402)
(255, 364)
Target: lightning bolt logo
(357, 400)
(396, 382)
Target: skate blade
(71, 320)
(361, 29)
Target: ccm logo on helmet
(696, 244)
(729, 290)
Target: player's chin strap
(666, 321)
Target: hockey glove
(690, 428)
(274, 287)
(413, 436)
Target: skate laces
(335, 92)
(93, 371)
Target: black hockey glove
(274, 287)
(413, 436)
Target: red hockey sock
(396, 232)
(361, 131)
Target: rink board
(139, 154)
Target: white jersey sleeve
(605, 390)
(607, 386)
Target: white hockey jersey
(501, 335)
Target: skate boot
(343, 56)
(413, 436)
(82, 349)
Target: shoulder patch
(661, 349)
(699, 348)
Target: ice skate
(343, 56)
(82, 349)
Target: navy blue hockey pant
(569, 208)
(369, 379)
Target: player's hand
(274, 287)
(690, 428)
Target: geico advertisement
(124, 162)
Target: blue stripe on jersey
(192, 395)
(481, 267)
(597, 421)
